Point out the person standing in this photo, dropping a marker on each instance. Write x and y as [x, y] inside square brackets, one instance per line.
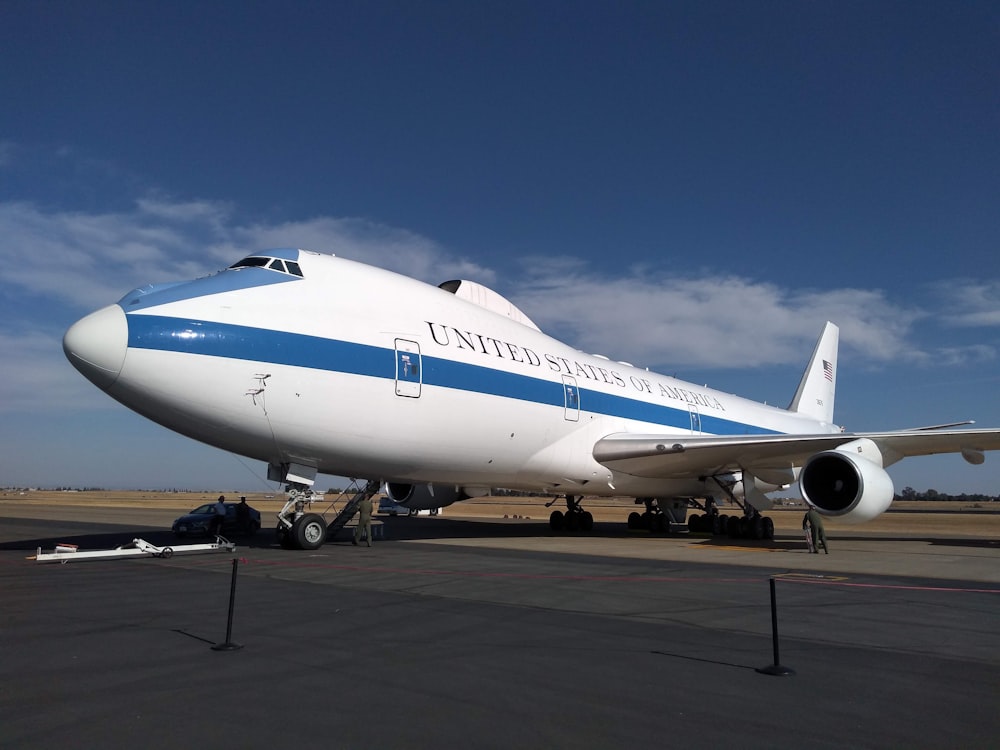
[215, 527]
[814, 522]
[243, 515]
[364, 521]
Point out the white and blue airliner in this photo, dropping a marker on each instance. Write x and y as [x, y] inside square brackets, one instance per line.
[318, 364]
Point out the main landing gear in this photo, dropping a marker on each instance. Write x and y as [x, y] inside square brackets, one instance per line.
[664, 515]
[653, 519]
[574, 519]
[751, 525]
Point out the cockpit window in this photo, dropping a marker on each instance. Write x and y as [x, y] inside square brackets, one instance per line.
[250, 262]
[274, 264]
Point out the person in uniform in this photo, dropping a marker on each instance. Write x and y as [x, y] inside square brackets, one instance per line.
[364, 526]
[814, 522]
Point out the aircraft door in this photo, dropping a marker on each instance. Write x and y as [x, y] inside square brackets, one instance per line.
[695, 419]
[409, 372]
[571, 397]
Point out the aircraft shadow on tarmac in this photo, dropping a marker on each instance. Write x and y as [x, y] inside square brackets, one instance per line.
[86, 537]
[406, 529]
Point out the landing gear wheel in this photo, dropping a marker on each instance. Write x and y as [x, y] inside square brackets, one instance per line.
[634, 520]
[556, 520]
[768, 528]
[586, 521]
[309, 532]
[733, 527]
[655, 522]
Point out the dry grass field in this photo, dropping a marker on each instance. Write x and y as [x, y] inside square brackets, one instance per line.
[913, 518]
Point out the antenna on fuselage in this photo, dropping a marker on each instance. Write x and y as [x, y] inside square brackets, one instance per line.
[254, 392]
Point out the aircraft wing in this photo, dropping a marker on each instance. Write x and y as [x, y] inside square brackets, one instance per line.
[673, 456]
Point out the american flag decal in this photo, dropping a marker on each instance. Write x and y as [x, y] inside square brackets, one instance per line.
[827, 370]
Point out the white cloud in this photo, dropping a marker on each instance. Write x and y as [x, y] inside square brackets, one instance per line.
[88, 260]
[360, 239]
[213, 212]
[970, 303]
[709, 320]
[955, 356]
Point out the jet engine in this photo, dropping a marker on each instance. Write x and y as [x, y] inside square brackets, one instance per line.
[847, 483]
[424, 496]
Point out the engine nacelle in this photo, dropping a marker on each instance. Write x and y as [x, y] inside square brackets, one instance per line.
[424, 496]
[848, 483]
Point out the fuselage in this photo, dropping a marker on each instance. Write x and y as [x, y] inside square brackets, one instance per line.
[361, 372]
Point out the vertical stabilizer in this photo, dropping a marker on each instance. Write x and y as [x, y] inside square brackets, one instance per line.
[815, 395]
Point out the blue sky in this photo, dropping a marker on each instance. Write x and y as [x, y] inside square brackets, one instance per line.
[690, 186]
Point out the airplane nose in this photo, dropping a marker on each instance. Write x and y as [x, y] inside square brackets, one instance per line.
[95, 345]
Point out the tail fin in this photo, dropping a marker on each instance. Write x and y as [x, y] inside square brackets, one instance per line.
[815, 395]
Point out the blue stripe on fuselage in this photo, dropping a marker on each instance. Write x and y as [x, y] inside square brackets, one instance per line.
[213, 339]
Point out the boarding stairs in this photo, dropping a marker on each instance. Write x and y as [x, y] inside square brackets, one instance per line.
[348, 512]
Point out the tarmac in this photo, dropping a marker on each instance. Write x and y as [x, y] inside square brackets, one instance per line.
[496, 634]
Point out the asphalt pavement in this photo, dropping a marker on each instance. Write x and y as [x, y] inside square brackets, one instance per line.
[496, 635]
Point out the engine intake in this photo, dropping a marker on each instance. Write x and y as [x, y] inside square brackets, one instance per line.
[846, 485]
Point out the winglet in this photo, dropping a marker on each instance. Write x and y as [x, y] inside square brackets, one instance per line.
[815, 395]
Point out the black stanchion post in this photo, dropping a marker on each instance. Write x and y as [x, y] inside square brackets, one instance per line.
[775, 668]
[229, 645]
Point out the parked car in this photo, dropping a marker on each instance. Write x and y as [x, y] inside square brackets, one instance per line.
[196, 522]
